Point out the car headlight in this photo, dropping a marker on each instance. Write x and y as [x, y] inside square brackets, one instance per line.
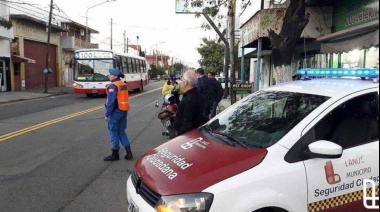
[198, 202]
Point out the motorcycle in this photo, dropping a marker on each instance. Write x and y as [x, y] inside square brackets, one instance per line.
[166, 115]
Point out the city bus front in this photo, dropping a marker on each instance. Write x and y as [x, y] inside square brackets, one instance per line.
[91, 70]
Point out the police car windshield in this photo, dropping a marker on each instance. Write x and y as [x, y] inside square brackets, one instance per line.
[262, 119]
[92, 70]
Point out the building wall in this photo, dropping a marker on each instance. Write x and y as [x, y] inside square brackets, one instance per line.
[34, 76]
[6, 35]
[5, 46]
[32, 43]
[67, 70]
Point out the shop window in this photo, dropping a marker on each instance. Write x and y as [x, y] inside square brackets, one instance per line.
[314, 61]
[372, 58]
[353, 59]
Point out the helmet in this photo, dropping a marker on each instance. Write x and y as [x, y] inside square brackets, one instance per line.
[169, 99]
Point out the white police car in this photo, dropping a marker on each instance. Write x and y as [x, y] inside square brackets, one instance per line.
[307, 145]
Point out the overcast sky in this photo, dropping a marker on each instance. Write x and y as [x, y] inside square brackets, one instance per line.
[154, 21]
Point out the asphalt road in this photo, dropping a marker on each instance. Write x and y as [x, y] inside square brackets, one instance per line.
[52, 149]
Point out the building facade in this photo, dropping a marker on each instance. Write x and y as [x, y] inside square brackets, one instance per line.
[341, 33]
[29, 54]
[354, 42]
[6, 36]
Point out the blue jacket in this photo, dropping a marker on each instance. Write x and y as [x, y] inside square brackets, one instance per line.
[111, 105]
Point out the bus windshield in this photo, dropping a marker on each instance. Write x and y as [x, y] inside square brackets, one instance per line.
[92, 70]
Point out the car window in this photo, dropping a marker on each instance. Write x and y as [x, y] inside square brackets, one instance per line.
[352, 123]
[262, 119]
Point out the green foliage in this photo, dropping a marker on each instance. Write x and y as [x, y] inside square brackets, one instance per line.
[212, 54]
[6, 24]
[155, 72]
[177, 68]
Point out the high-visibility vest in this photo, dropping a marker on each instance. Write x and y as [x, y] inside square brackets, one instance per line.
[122, 95]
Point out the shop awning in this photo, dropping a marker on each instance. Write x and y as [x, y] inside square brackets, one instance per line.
[361, 37]
[21, 59]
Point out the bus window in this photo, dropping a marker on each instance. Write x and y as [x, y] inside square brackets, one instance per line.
[125, 65]
[137, 69]
[141, 66]
[144, 65]
[118, 63]
[130, 65]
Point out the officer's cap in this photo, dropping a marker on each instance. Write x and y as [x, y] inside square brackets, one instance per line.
[115, 72]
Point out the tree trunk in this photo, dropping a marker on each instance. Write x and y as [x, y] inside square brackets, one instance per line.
[231, 14]
[284, 44]
[284, 73]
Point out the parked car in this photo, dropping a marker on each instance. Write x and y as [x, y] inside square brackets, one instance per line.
[307, 145]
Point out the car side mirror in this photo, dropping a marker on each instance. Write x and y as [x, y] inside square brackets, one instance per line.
[325, 150]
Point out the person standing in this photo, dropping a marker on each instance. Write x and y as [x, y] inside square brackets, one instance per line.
[190, 110]
[217, 93]
[117, 108]
[172, 87]
[205, 88]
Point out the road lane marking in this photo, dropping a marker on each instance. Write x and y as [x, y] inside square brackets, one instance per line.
[55, 121]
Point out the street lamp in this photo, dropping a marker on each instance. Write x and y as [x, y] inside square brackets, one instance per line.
[138, 49]
[87, 18]
[157, 51]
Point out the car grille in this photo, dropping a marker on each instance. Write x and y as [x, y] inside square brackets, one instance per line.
[146, 193]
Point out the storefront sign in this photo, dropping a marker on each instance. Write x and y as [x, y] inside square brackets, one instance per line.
[242, 88]
[351, 13]
[188, 6]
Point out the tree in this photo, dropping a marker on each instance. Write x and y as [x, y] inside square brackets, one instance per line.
[6, 24]
[284, 43]
[212, 54]
[155, 72]
[177, 68]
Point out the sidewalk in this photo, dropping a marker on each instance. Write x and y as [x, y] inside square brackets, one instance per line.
[225, 103]
[15, 96]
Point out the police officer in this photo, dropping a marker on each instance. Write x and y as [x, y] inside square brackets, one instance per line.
[117, 108]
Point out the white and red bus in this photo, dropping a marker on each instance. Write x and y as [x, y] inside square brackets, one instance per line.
[91, 70]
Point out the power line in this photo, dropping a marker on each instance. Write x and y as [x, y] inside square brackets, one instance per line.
[40, 11]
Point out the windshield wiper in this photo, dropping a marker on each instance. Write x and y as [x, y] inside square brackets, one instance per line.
[211, 132]
[232, 138]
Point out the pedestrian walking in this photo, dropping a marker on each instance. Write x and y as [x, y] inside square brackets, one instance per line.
[117, 108]
[205, 88]
[190, 110]
[217, 93]
[172, 87]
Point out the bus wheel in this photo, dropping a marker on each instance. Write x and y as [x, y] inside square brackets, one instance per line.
[141, 88]
[89, 94]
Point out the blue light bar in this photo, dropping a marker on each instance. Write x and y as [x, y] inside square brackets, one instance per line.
[340, 72]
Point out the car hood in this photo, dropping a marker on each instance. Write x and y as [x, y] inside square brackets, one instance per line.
[191, 163]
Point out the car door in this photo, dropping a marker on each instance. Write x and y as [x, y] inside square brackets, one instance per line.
[337, 184]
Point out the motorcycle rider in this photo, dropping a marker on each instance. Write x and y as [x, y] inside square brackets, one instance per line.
[173, 87]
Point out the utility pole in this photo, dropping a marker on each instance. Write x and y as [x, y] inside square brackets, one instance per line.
[226, 52]
[125, 41]
[111, 34]
[138, 49]
[231, 17]
[127, 45]
[46, 71]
